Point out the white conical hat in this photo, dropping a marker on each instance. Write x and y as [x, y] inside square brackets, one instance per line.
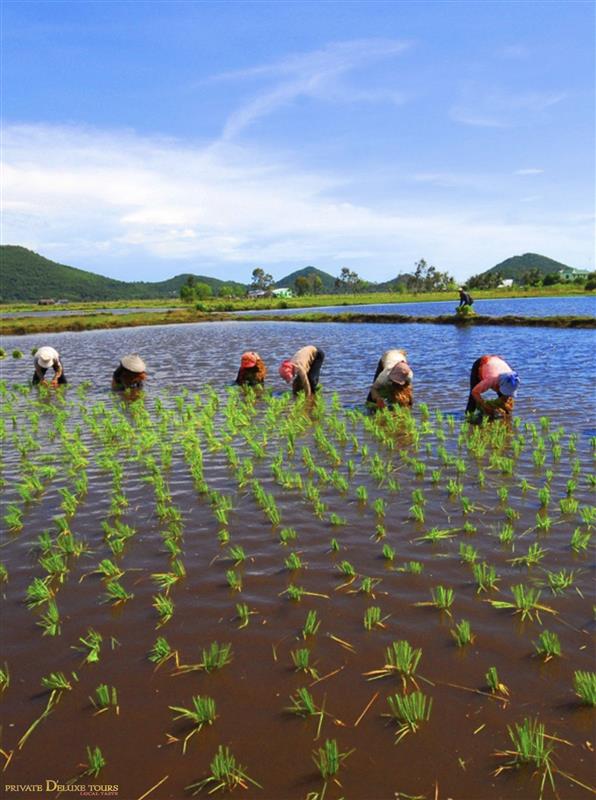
[46, 356]
[133, 363]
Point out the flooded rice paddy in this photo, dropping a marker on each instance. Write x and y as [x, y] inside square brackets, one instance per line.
[322, 548]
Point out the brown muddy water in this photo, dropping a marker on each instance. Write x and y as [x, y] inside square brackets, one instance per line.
[169, 464]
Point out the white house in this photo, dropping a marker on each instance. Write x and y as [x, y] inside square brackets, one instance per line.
[506, 283]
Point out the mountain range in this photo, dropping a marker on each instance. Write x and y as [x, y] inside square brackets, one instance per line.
[26, 276]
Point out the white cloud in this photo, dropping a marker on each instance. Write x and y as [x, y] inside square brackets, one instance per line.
[317, 75]
[144, 208]
[529, 171]
[499, 108]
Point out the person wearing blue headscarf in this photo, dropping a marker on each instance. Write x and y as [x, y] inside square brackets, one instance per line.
[492, 373]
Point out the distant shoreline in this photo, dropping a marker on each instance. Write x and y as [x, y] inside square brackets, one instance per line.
[22, 326]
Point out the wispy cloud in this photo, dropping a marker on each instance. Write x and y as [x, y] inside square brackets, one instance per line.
[529, 171]
[142, 207]
[318, 74]
[499, 108]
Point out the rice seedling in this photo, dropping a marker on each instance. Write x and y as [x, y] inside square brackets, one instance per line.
[116, 593]
[13, 518]
[216, 656]
[55, 565]
[237, 554]
[38, 592]
[442, 598]
[414, 567]
[485, 576]
[525, 602]
[328, 761]
[287, 535]
[494, 682]
[588, 515]
[561, 580]
[56, 682]
[534, 556]
[346, 569]
[568, 505]
[234, 580]
[372, 618]
[92, 643]
[580, 540]
[367, 585]
[417, 513]
[161, 651]
[544, 496]
[4, 678]
[50, 620]
[584, 685]
[334, 545]
[543, 522]
[467, 553]
[303, 705]
[506, 533]
[301, 661]
[311, 624]
[106, 697]
[531, 746]
[203, 712]
[226, 773]
[96, 762]
[362, 494]
[548, 645]
[400, 659]
[380, 507]
[462, 633]
[454, 488]
[243, 614]
[435, 535]
[388, 552]
[164, 606]
[17, 354]
[336, 519]
[409, 711]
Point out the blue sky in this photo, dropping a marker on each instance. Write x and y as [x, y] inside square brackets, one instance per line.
[141, 140]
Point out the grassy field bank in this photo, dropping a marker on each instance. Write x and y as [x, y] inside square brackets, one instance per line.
[309, 301]
[18, 326]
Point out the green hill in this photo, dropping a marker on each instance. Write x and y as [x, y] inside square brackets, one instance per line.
[27, 277]
[516, 266]
[306, 272]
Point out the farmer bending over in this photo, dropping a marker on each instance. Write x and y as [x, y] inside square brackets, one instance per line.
[465, 298]
[393, 381]
[492, 372]
[45, 358]
[252, 370]
[130, 373]
[302, 370]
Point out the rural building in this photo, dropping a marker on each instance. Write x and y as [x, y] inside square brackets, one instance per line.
[570, 273]
[506, 283]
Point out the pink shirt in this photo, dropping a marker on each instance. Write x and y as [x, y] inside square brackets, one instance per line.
[489, 372]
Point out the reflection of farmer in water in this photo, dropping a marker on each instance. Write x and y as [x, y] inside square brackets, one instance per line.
[303, 369]
[393, 381]
[131, 373]
[492, 372]
[465, 298]
[47, 358]
[252, 370]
